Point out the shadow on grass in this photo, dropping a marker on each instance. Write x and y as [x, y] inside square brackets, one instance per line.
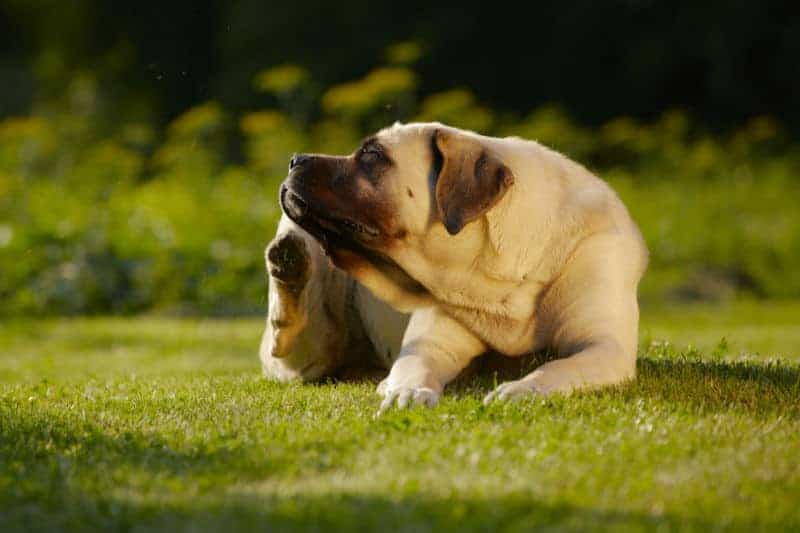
[331, 512]
[57, 474]
[42, 446]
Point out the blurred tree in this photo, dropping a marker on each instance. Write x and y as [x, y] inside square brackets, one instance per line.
[724, 62]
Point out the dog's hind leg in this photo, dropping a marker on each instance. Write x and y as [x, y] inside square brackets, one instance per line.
[306, 331]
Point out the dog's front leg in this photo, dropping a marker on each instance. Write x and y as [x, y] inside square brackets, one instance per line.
[600, 363]
[595, 317]
[435, 349]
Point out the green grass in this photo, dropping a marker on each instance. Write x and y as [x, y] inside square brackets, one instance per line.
[163, 424]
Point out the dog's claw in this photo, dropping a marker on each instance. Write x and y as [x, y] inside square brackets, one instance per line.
[489, 398]
[387, 402]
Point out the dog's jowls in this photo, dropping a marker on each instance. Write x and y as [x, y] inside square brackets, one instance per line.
[430, 245]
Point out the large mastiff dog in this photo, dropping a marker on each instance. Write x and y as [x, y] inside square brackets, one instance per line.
[430, 245]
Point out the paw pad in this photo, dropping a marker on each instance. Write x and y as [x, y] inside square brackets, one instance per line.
[288, 259]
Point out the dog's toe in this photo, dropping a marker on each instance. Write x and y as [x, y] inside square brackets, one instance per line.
[381, 388]
[426, 397]
[405, 397]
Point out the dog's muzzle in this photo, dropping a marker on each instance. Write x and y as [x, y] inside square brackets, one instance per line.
[292, 204]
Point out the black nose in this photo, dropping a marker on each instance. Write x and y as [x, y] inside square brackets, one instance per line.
[297, 159]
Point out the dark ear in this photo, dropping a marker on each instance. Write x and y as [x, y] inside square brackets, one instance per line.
[471, 180]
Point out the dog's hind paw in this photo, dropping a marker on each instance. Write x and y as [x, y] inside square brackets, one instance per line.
[288, 260]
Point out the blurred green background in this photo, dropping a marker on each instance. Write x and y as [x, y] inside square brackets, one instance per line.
[142, 143]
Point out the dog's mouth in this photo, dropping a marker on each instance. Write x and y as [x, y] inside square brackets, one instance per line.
[329, 229]
[340, 233]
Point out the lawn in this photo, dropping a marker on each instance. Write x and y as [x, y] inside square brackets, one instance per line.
[110, 424]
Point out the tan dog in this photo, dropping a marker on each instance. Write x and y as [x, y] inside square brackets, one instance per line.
[487, 243]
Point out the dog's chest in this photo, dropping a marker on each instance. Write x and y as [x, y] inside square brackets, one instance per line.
[505, 335]
[383, 325]
[505, 320]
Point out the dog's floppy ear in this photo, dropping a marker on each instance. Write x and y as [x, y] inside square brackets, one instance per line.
[471, 179]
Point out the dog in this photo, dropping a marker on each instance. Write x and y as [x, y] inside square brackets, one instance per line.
[430, 245]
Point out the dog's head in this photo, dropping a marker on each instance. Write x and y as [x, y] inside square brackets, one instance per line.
[403, 201]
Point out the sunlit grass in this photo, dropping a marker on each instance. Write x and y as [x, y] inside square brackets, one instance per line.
[154, 423]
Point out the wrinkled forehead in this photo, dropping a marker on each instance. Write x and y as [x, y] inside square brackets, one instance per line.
[409, 145]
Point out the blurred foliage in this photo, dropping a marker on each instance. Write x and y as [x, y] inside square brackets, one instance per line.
[404, 53]
[98, 217]
[456, 107]
[358, 101]
[726, 61]
[281, 80]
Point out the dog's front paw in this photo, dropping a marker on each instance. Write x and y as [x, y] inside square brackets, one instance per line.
[538, 383]
[288, 260]
[511, 390]
[410, 382]
[404, 397]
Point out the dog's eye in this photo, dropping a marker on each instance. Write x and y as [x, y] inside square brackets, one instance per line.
[369, 155]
